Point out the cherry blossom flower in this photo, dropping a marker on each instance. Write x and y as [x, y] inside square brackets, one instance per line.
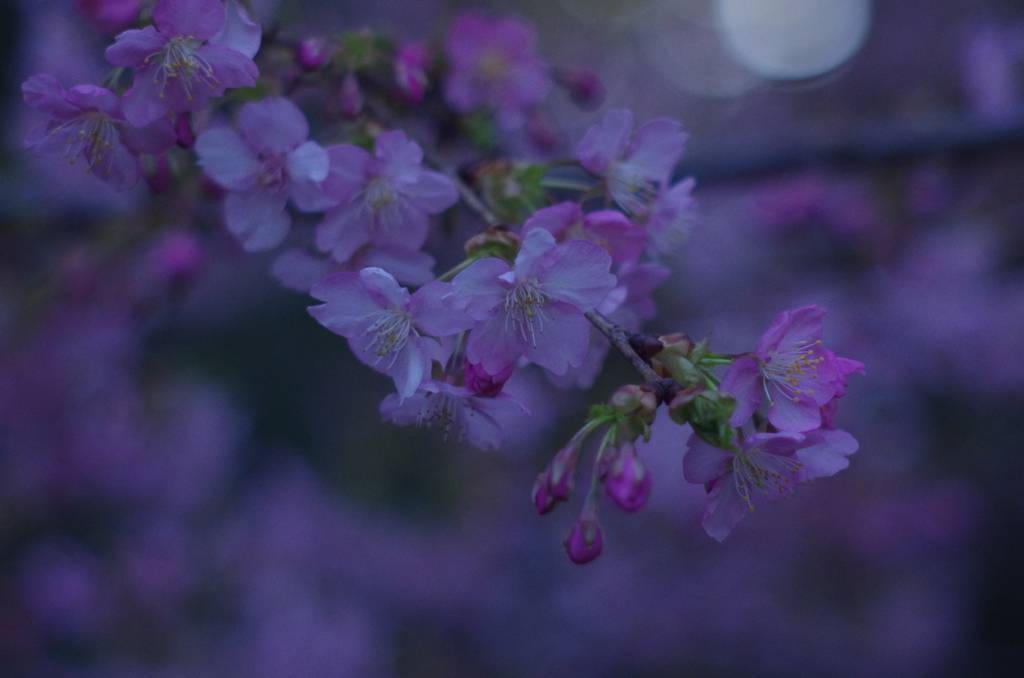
[385, 325]
[108, 16]
[455, 410]
[766, 467]
[87, 123]
[610, 229]
[534, 309]
[790, 369]
[628, 304]
[385, 199]
[493, 65]
[634, 168]
[410, 72]
[262, 167]
[670, 217]
[844, 367]
[186, 59]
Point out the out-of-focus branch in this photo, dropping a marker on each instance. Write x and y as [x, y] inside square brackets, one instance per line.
[725, 159]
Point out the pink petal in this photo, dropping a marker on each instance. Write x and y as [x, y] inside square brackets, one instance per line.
[199, 19]
[153, 138]
[827, 454]
[724, 510]
[347, 176]
[348, 303]
[227, 159]
[257, 219]
[344, 230]
[479, 289]
[132, 48]
[232, 69]
[274, 127]
[433, 193]
[657, 147]
[803, 415]
[743, 380]
[556, 219]
[239, 31]
[802, 324]
[400, 158]
[562, 338]
[44, 93]
[384, 287]
[493, 345]
[580, 275]
[605, 141]
[147, 101]
[432, 312]
[702, 462]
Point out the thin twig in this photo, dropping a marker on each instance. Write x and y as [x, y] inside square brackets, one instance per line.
[619, 338]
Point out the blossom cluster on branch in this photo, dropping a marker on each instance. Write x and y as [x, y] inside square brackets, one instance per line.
[562, 267]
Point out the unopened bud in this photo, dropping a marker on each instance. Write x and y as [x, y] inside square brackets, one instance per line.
[585, 89]
[635, 401]
[410, 72]
[584, 542]
[628, 482]
[159, 175]
[557, 481]
[184, 135]
[313, 53]
[351, 96]
[707, 412]
[486, 385]
[494, 242]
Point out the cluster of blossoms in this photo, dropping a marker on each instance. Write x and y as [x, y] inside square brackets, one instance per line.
[563, 268]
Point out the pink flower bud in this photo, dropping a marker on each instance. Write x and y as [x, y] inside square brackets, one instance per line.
[313, 53]
[109, 16]
[410, 72]
[159, 176]
[543, 501]
[351, 96]
[177, 257]
[556, 483]
[184, 135]
[484, 384]
[584, 542]
[628, 483]
[585, 89]
[542, 133]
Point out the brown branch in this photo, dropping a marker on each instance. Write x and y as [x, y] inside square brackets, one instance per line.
[619, 338]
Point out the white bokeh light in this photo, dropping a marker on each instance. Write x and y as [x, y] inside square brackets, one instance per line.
[790, 39]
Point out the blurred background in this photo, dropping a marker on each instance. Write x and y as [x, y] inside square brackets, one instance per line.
[194, 480]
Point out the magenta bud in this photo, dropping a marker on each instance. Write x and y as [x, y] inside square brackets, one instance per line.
[178, 257]
[584, 542]
[543, 135]
[109, 16]
[313, 53]
[555, 484]
[351, 96]
[585, 89]
[158, 175]
[184, 135]
[484, 384]
[410, 72]
[628, 483]
[542, 499]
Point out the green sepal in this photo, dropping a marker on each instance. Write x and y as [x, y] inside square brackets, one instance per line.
[512, 190]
